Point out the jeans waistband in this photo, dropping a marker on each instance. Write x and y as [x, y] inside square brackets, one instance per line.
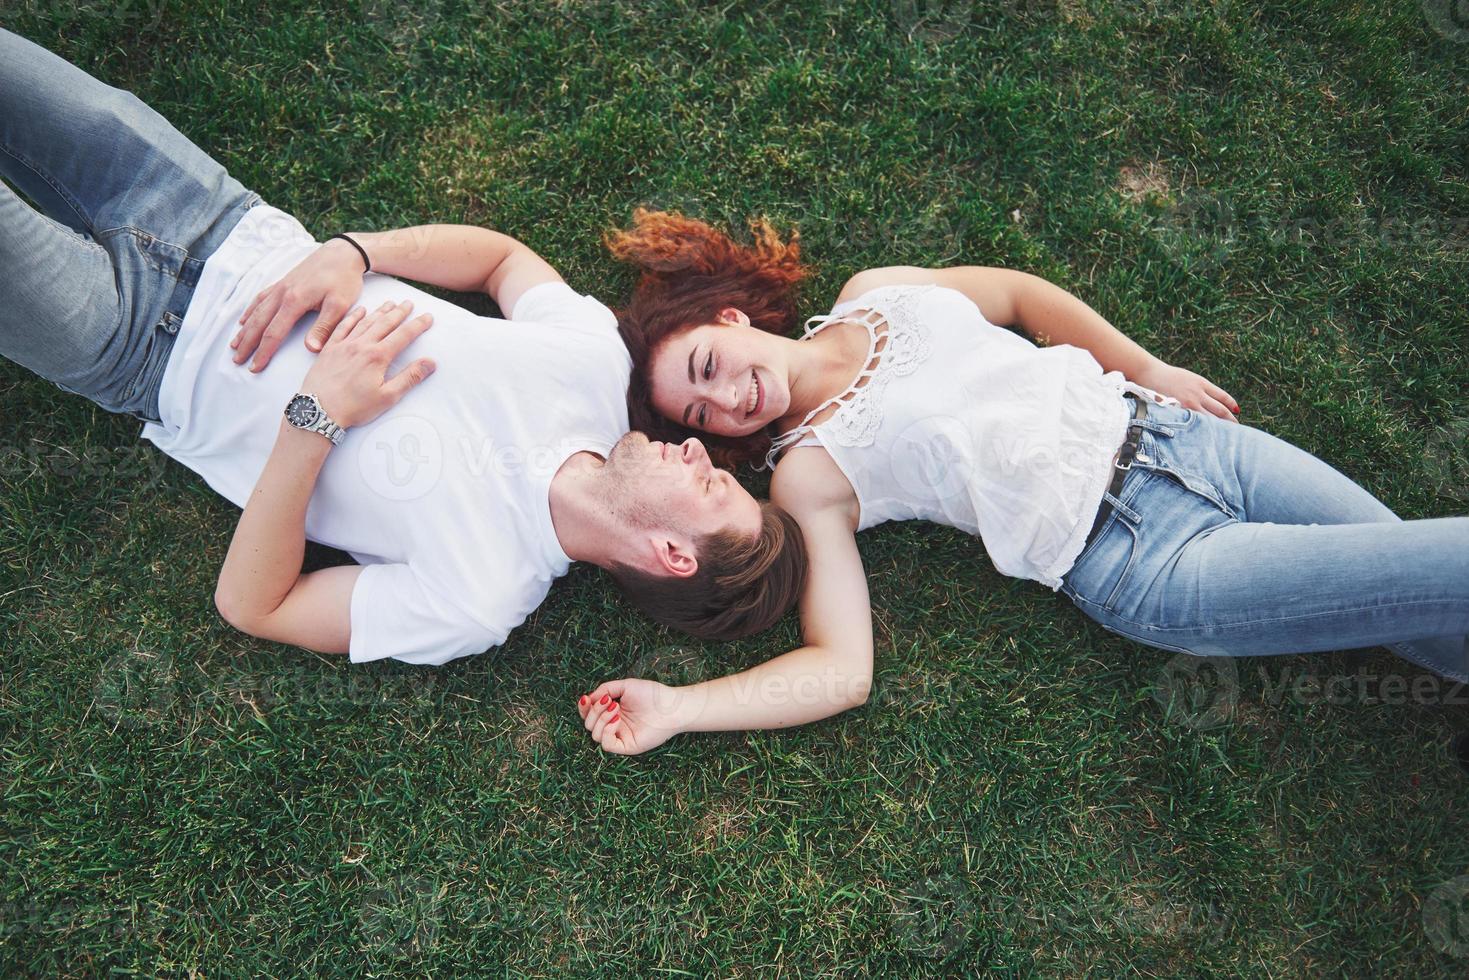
[192, 266]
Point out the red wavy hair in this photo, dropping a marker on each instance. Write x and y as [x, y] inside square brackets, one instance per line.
[689, 272]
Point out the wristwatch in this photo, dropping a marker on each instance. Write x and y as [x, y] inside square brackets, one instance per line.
[305, 412]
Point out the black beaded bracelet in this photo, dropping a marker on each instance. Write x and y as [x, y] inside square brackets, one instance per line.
[360, 251]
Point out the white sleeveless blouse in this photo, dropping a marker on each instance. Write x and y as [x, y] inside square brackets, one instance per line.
[970, 425]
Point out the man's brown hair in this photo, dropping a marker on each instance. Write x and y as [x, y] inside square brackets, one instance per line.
[742, 585]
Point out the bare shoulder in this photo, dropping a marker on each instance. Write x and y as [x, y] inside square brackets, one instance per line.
[889, 275]
[808, 482]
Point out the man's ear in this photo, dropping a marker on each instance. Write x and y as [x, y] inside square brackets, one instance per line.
[731, 315]
[673, 558]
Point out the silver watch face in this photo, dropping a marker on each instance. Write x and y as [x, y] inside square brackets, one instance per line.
[303, 412]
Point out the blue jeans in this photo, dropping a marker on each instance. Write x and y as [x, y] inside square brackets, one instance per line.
[1227, 541]
[95, 284]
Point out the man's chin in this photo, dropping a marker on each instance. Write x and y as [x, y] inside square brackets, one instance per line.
[627, 446]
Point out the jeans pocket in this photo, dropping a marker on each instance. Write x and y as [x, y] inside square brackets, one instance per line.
[1176, 462]
[151, 356]
[135, 383]
[1198, 486]
[1098, 575]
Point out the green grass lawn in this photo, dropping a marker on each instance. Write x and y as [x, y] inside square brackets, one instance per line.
[1274, 195]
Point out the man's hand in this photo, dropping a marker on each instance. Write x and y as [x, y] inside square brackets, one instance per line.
[1194, 391]
[630, 716]
[350, 377]
[329, 280]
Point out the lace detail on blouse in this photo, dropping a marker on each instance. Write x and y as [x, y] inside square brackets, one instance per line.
[859, 412]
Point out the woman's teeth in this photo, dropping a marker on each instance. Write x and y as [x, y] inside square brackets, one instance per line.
[754, 396]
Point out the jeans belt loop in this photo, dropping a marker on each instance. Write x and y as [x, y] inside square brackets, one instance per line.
[1119, 470]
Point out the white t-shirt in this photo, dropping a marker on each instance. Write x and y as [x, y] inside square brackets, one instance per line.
[444, 498]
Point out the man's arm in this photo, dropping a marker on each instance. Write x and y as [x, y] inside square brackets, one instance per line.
[458, 257]
[261, 589]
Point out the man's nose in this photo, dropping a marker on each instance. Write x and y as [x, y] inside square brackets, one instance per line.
[692, 450]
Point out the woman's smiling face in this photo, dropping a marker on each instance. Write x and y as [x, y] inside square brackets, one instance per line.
[725, 378]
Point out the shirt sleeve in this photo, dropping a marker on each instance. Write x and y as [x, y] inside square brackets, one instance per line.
[394, 615]
[558, 304]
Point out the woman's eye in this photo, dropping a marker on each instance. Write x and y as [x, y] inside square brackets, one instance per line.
[709, 366]
[701, 416]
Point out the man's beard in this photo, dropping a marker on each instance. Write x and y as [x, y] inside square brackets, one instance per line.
[626, 492]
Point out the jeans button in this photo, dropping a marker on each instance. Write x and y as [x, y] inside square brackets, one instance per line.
[1143, 458]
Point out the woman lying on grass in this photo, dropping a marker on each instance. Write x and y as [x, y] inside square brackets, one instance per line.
[1088, 465]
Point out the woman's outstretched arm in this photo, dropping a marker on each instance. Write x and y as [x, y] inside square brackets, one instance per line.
[1050, 314]
[831, 673]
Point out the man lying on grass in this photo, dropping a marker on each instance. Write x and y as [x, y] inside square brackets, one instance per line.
[463, 461]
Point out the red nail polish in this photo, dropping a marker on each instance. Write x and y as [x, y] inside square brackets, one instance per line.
[613, 719]
[605, 699]
[1236, 409]
[583, 700]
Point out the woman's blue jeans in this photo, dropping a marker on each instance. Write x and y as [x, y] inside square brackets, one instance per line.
[94, 285]
[1225, 540]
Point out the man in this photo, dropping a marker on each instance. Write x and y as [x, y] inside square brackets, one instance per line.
[463, 461]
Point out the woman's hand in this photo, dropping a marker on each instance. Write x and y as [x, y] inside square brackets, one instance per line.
[329, 280]
[630, 716]
[350, 379]
[1192, 390]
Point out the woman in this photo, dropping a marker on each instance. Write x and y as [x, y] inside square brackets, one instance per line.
[1088, 465]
